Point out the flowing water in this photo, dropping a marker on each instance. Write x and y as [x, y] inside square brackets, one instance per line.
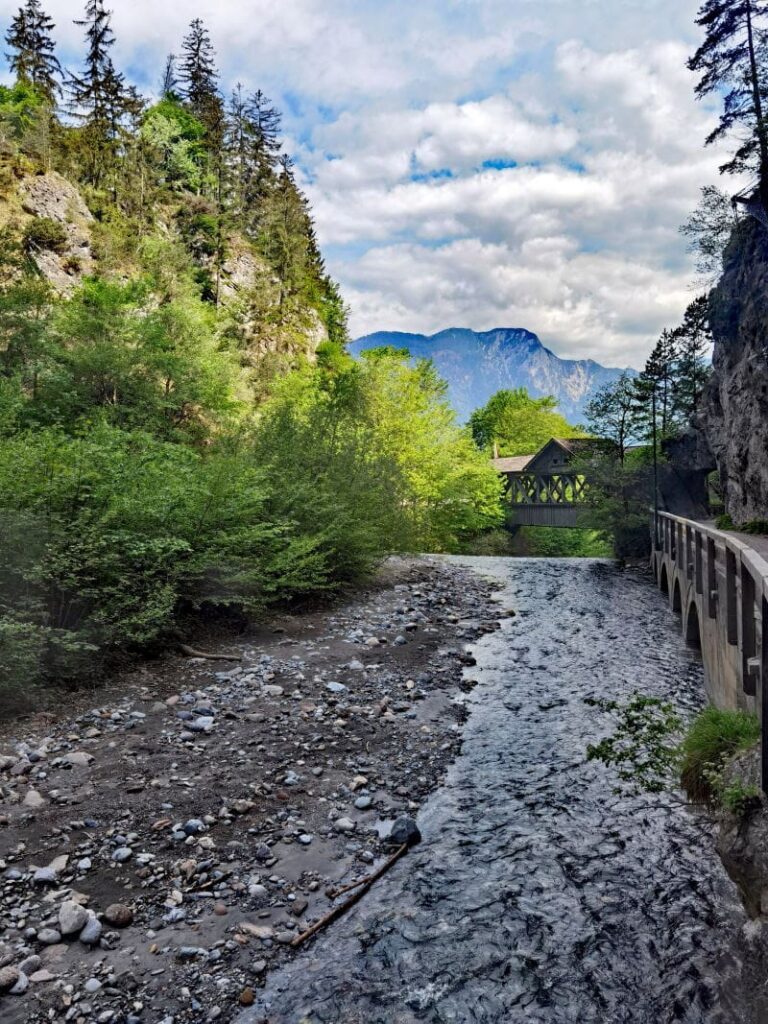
[538, 894]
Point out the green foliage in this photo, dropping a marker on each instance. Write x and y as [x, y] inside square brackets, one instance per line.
[549, 542]
[47, 234]
[713, 738]
[641, 748]
[757, 527]
[739, 798]
[617, 501]
[517, 424]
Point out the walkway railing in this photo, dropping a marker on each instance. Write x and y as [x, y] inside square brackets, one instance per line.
[727, 582]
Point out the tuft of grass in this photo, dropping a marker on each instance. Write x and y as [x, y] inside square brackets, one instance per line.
[714, 737]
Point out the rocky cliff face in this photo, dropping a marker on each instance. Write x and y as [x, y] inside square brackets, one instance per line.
[735, 410]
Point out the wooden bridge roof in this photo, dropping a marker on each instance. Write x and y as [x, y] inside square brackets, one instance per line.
[511, 464]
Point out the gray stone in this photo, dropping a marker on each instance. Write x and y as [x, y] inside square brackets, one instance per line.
[122, 854]
[334, 687]
[344, 825]
[305, 839]
[404, 831]
[91, 932]
[363, 803]
[49, 936]
[72, 918]
[92, 986]
[21, 986]
[202, 724]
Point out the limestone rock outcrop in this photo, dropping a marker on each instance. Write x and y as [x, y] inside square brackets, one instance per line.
[54, 198]
[734, 416]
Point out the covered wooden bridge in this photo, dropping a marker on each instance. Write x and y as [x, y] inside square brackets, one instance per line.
[543, 489]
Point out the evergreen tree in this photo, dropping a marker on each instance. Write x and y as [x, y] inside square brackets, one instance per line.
[98, 97]
[169, 83]
[199, 77]
[613, 415]
[729, 61]
[659, 376]
[285, 234]
[33, 58]
[692, 338]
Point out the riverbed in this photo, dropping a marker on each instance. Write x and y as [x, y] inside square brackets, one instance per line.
[540, 894]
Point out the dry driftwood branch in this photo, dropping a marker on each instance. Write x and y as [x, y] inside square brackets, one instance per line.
[192, 652]
[362, 887]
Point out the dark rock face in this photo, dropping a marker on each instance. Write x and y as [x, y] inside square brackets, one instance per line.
[735, 410]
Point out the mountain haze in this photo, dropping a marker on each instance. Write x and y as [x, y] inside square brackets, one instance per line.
[477, 364]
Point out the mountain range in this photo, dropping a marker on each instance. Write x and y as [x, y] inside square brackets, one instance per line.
[477, 364]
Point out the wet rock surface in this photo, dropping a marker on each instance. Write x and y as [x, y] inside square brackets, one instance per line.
[184, 830]
[538, 895]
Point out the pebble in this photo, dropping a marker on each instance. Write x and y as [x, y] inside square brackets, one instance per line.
[44, 876]
[344, 825]
[259, 967]
[118, 915]
[305, 839]
[247, 997]
[363, 803]
[49, 936]
[334, 687]
[33, 799]
[122, 854]
[202, 724]
[404, 830]
[92, 986]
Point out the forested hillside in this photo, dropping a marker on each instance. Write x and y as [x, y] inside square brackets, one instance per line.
[181, 428]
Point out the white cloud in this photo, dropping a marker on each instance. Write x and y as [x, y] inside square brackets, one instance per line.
[590, 101]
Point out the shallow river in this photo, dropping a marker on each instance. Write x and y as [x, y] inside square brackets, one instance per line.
[538, 895]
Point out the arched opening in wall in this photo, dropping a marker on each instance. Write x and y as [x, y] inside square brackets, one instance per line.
[664, 580]
[692, 629]
[677, 603]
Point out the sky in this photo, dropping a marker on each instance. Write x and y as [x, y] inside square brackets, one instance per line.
[473, 163]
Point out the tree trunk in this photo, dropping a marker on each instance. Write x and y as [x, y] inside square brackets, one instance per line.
[761, 132]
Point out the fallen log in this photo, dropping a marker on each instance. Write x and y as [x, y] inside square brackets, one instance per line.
[362, 886]
[192, 652]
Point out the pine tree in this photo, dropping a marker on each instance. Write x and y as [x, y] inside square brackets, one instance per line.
[98, 97]
[659, 373]
[729, 61]
[33, 58]
[692, 339]
[285, 234]
[169, 84]
[199, 77]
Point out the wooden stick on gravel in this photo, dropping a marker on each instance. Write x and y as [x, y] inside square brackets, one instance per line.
[364, 886]
[192, 652]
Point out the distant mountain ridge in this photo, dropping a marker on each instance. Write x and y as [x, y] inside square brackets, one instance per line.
[477, 364]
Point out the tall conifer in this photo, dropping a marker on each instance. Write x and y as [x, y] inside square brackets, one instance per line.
[33, 53]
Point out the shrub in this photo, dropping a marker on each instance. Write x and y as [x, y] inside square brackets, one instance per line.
[755, 526]
[47, 234]
[713, 738]
[739, 798]
[725, 522]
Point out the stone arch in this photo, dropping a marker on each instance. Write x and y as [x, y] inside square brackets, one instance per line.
[677, 601]
[692, 627]
[664, 580]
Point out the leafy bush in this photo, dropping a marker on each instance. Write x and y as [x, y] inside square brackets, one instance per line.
[739, 798]
[725, 522]
[44, 233]
[713, 738]
[755, 526]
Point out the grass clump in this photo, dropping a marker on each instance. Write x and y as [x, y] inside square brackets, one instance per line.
[715, 736]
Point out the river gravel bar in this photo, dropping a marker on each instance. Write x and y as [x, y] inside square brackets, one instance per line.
[159, 851]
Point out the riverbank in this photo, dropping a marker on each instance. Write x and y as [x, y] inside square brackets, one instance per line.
[159, 850]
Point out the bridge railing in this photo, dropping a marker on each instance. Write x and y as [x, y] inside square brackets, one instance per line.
[730, 582]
